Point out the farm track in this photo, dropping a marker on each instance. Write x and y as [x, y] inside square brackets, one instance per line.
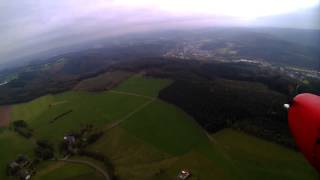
[131, 94]
[119, 121]
[223, 152]
[90, 164]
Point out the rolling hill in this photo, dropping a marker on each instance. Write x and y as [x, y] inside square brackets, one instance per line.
[143, 138]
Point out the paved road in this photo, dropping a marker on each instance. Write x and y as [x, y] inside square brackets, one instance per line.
[90, 164]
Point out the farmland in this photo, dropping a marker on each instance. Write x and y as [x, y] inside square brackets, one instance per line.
[144, 138]
[60, 170]
[258, 159]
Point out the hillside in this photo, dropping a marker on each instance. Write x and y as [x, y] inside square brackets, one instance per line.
[143, 138]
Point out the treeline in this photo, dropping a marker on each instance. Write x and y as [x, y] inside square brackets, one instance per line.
[63, 72]
[219, 105]
[60, 116]
[218, 95]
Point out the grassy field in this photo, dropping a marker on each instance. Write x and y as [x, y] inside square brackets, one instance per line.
[94, 108]
[259, 159]
[153, 139]
[12, 145]
[139, 84]
[166, 128]
[60, 170]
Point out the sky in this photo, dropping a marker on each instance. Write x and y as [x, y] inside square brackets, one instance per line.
[32, 26]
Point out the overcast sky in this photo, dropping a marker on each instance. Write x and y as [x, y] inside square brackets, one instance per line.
[32, 26]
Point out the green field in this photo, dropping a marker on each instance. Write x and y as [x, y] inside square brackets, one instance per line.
[94, 108]
[139, 84]
[12, 145]
[152, 139]
[59, 170]
[259, 159]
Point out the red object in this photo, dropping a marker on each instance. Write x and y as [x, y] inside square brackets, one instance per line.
[304, 121]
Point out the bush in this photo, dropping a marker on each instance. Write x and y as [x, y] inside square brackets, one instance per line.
[44, 150]
[25, 132]
[20, 123]
[94, 137]
[22, 128]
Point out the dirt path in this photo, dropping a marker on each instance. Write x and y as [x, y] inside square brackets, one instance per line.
[130, 94]
[5, 115]
[224, 153]
[90, 164]
[119, 121]
[58, 103]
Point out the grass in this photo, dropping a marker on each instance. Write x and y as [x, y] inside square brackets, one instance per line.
[166, 127]
[11, 145]
[87, 108]
[31, 110]
[136, 159]
[142, 85]
[259, 159]
[153, 143]
[59, 170]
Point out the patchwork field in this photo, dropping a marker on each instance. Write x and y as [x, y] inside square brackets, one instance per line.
[144, 138]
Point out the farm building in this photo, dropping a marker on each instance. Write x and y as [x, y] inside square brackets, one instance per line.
[20, 168]
[184, 174]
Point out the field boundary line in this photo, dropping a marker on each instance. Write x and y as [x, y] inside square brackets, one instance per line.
[130, 94]
[118, 122]
[90, 164]
[223, 151]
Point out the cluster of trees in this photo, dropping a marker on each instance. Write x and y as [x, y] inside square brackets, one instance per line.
[22, 128]
[222, 104]
[22, 167]
[77, 141]
[61, 115]
[63, 72]
[219, 95]
[44, 150]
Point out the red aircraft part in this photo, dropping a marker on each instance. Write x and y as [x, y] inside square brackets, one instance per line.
[304, 121]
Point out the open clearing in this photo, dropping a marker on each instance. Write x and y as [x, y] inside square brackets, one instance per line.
[141, 85]
[149, 139]
[103, 82]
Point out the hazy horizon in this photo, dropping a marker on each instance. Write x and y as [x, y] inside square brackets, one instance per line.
[34, 26]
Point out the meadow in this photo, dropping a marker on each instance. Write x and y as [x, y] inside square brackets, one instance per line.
[150, 139]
